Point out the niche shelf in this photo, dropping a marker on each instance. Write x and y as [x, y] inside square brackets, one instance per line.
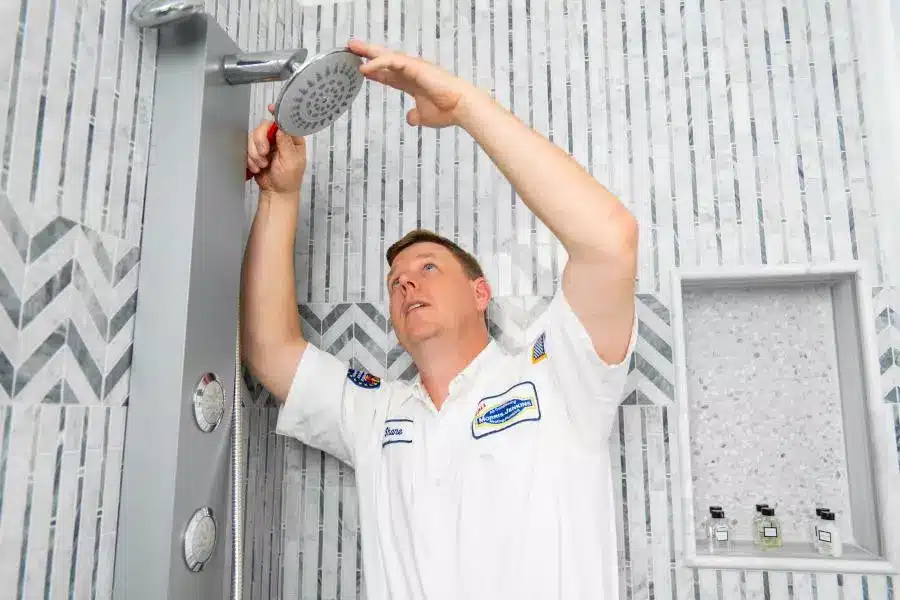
[778, 402]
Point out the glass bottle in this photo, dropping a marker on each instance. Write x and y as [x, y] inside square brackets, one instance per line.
[704, 525]
[719, 531]
[814, 527]
[769, 530]
[756, 517]
[829, 536]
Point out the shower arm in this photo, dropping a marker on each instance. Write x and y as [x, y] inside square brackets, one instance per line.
[237, 69]
[260, 67]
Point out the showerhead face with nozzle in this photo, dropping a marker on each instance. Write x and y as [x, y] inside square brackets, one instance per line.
[319, 92]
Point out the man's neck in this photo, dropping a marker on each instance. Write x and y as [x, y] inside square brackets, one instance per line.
[440, 360]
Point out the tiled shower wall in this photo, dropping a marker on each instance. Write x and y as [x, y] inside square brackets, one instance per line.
[735, 132]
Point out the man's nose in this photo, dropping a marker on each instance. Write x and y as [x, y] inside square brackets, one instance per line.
[407, 283]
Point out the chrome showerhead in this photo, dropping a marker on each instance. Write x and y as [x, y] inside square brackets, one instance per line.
[156, 13]
[316, 92]
[319, 92]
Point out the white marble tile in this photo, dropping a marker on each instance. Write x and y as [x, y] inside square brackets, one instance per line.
[124, 134]
[42, 498]
[21, 437]
[135, 207]
[70, 471]
[9, 21]
[292, 485]
[827, 586]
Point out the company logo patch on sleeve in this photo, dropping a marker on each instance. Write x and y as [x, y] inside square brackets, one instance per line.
[516, 405]
[363, 379]
[397, 431]
[537, 349]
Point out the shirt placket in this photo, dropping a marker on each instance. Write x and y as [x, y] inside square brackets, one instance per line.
[439, 514]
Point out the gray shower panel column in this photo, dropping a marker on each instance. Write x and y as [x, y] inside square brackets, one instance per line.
[193, 240]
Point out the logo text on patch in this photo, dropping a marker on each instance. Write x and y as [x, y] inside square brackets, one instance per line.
[516, 405]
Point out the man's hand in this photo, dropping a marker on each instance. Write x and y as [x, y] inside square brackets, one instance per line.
[278, 170]
[439, 95]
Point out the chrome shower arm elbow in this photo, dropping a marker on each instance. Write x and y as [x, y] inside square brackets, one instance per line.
[157, 13]
[259, 67]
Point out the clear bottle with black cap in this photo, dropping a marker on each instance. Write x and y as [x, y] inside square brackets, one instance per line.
[754, 527]
[769, 530]
[814, 526]
[704, 524]
[829, 536]
[718, 532]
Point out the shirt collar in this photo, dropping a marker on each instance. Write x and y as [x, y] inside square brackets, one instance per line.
[465, 378]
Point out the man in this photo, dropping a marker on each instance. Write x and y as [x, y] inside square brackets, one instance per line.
[489, 475]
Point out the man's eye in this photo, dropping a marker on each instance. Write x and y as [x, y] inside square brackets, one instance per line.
[429, 266]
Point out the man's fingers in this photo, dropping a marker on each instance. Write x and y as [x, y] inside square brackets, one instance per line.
[260, 141]
[385, 76]
[284, 142]
[391, 60]
[366, 50]
[289, 145]
[299, 142]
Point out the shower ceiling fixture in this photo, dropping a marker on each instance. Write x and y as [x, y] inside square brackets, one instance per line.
[156, 13]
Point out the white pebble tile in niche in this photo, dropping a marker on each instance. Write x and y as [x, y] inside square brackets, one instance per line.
[762, 384]
[778, 402]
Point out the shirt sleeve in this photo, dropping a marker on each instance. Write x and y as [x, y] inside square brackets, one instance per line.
[591, 389]
[329, 405]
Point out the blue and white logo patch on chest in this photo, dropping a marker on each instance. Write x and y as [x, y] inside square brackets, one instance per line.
[516, 405]
[397, 431]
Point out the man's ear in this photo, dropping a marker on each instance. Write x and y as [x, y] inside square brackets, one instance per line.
[482, 293]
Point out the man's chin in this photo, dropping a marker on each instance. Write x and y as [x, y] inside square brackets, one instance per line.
[419, 335]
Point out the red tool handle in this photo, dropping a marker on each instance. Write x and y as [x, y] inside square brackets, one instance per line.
[270, 135]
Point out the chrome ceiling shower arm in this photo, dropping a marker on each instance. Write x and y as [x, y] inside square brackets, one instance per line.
[156, 13]
[260, 67]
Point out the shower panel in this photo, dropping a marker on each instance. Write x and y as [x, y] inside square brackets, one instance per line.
[174, 534]
[180, 514]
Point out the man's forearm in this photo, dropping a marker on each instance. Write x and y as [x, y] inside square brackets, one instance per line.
[269, 322]
[588, 220]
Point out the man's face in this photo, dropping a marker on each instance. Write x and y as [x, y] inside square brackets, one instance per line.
[430, 294]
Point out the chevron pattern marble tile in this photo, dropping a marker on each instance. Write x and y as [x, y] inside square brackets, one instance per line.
[69, 296]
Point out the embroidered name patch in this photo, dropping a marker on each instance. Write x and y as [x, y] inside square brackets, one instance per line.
[363, 379]
[537, 350]
[496, 413]
[397, 431]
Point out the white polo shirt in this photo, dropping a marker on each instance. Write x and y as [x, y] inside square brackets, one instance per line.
[505, 493]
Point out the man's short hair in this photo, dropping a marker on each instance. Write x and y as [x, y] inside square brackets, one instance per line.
[469, 263]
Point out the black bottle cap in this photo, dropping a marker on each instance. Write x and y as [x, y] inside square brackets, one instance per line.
[717, 513]
[714, 507]
[827, 515]
[819, 511]
[767, 511]
[759, 507]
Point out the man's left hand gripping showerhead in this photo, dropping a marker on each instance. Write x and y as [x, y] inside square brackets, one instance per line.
[280, 169]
